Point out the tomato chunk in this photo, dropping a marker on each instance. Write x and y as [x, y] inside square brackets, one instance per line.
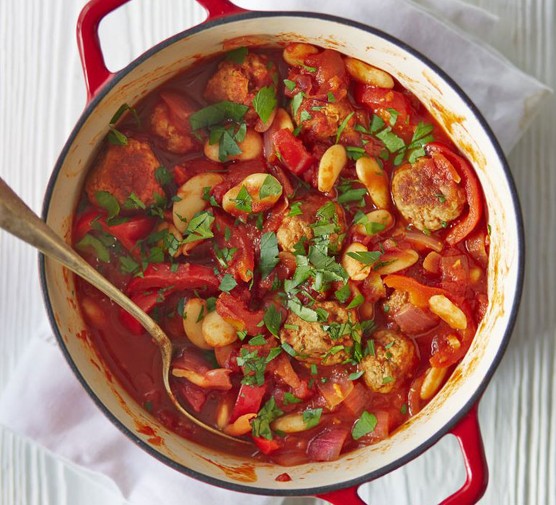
[184, 276]
[248, 400]
[292, 152]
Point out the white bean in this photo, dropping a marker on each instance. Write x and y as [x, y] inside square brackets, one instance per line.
[431, 384]
[193, 315]
[375, 222]
[395, 261]
[367, 74]
[282, 120]
[173, 240]
[216, 331]
[448, 311]
[356, 270]
[294, 54]
[331, 164]
[290, 423]
[190, 198]
[93, 311]
[375, 179]
[264, 191]
[251, 147]
[223, 412]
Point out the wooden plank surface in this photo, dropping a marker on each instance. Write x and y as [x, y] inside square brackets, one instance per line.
[41, 96]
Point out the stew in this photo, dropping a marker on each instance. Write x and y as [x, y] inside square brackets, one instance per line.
[304, 231]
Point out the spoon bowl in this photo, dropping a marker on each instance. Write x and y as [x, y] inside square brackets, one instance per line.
[19, 220]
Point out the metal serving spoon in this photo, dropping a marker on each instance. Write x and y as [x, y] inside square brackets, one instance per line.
[19, 220]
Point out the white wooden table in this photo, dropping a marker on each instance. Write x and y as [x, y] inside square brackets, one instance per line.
[41, 97]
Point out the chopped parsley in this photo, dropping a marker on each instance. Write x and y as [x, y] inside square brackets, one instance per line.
[290, 85]
[364, 425]
[237, 55]
[290, 399]
[365, 257]
[261, 424]
[343, 294]
[101, 251]
[109, 203]
[272, 319]
[357, 300]
[270, 187]
[243, 200]
[227, 283]
[199, 228]
[269, 253]
[343, 125]
[295, 209]
[163, 176]
[265, 102]
[311, 417]
[296, 102]
[115, 136]
[217, 113]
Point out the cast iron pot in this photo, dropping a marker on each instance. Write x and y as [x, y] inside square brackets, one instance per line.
[453, 410]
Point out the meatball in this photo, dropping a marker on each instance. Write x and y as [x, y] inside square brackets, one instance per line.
[427, 196]
[294, 228]
[170, 123]
[319, 342]
[393, 361]
[320, 120]
[240, 82]
[123, 170]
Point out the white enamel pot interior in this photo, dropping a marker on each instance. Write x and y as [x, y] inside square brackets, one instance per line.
[467, 129]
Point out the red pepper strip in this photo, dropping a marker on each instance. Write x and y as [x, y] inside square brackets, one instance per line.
[235, 311]
[130, 232]
[472, 190]
[127, 233]
[242, 265]
[164, 275]
[146, 301]
[419, 294]
[292, 152]
[267, 446]
[84, 223]
[248, 400]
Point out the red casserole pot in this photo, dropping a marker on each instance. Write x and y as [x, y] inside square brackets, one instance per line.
[452, 410]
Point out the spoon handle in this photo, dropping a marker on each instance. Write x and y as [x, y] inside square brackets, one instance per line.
[19, 220]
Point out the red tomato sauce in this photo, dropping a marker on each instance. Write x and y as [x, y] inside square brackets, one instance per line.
[308, 237]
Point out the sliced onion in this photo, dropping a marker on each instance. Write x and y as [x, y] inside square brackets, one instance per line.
[193, 368]
[327, 446]
[335, 390]
[413, 320]
[426, 241]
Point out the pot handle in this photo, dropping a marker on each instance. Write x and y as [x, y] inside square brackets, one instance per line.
[218, 8]
[468, 433]
[92, 60]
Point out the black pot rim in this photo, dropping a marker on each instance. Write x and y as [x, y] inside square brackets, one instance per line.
[455, 418]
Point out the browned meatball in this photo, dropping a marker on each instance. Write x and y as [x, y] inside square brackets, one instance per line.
[393, 361]
[426, 195]
[316, 342]
[240, 82]
[170, 123]
[320, 120]
[294, 228]
[123, 170]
